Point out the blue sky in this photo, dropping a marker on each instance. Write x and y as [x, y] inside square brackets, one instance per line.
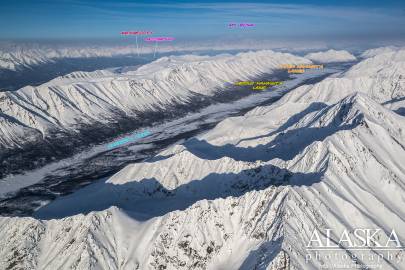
[316, 19]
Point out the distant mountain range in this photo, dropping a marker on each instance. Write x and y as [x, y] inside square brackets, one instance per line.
[86, 98]
[16, 57]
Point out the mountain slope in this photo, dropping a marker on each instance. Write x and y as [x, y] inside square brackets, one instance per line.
[81, 98]
[331, 56]
[246, 195]
[381, 77]
[233, 210]
[19, 56]
[380, 50]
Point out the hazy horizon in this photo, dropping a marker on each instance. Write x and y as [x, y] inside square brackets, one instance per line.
[76, 21]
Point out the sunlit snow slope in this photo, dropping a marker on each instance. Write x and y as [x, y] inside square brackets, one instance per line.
[246, 195]
[87, 98]
[331, 56]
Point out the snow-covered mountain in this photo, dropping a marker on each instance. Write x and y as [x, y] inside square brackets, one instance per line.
[381, 77]
[17, 56]
[380, 50]
[102, 96]
[246, 195]
[29, 57]
[331, 56]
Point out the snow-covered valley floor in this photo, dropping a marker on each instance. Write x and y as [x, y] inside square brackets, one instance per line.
[24, 193]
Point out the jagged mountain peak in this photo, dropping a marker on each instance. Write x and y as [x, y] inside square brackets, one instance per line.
[97, 97]
[245, 195]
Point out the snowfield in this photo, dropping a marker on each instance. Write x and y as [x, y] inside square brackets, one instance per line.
[331, 56]
[246, 195]
[88, 98]
[381, 50]
[21, 57]
[16, 57]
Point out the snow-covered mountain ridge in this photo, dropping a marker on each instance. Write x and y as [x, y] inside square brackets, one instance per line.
[85, 98]
[331, 56]
[29, 57]
[382, 77]
[380, 50]
[17, 56]
[262, 214]
[246, 195]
